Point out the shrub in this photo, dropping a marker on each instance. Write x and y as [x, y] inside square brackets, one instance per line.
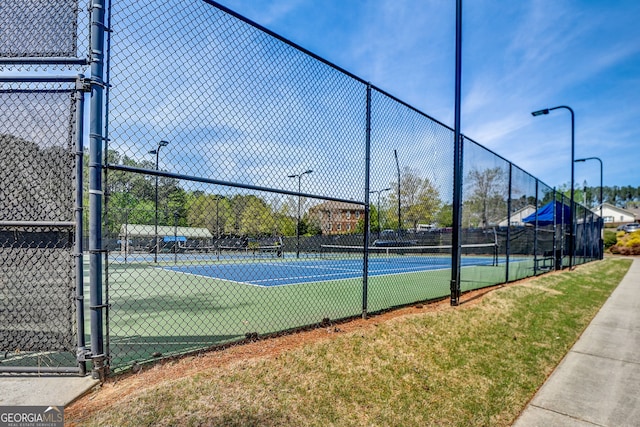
[627, 244]
[610, 238]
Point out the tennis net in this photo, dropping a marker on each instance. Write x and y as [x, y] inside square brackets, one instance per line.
[479, 253]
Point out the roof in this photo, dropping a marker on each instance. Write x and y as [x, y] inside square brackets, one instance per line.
[143, 230]
[630, 212]
[635, 212]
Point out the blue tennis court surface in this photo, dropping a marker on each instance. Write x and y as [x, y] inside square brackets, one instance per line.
[278, 273]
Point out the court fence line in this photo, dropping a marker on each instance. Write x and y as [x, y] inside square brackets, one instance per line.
[225, 164]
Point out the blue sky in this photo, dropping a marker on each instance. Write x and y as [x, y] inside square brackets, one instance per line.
[518, 56]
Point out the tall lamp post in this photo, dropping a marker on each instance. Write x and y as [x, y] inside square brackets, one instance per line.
[395, 153]
[299, 176]
[571, 210]
[161, 144]
[601, 198]
[379, 192]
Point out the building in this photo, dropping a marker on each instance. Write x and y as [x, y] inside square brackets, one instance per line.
[515, 219]
[142, 237]
[615, 215]
[337, 217]
[635, 211]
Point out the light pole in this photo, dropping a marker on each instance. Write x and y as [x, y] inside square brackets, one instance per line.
[299, 176]
[395, 153]
[162, 143]
[601, 201]
[218, 217]
[571, 210]
[379, 192]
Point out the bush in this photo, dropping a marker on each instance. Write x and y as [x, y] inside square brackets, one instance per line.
[627, 244]
[610, 238]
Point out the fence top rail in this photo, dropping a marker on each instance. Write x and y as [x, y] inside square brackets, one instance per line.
[40, 79]
[226, 183]
[45, 60]
[319, 58]
[37, 224]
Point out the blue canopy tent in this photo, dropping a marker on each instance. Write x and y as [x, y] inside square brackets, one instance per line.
[545, 214]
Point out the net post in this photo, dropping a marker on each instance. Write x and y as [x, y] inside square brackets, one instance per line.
[365, 254]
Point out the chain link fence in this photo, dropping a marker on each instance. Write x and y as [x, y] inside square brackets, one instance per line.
[37, 204]
[43, 36]
[250, 188]
[43, 47]
[253, 188]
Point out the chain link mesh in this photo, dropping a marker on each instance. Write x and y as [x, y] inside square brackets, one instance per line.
[411, 186]
[37, 279]
[235, 103]
[245, 179]
[546, 248]
[522, 236]
[43, 35]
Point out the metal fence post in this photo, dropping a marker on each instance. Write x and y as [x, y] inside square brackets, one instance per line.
[81, 351]
[563, 235]
[584, 236]
[457, 168]
[95, 186]
[508, 243]
[365, 263]
[555, 230]
[535, 235]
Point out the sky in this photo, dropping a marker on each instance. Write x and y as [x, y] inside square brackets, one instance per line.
[517, 57]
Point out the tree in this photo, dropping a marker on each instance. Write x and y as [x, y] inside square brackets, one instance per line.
[286, 224]
[374, 225]
[444, 217]
[257, 218]
[419, 200]
[138, 186]
[485, 202]
[210, 211]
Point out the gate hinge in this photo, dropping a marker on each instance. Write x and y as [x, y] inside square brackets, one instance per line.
[83, 354]
[83, 85]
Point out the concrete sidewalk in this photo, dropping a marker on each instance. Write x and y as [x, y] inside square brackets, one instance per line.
[598, 381]
[32, 390]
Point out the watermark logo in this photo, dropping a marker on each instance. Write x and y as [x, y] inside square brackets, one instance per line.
[31, 416]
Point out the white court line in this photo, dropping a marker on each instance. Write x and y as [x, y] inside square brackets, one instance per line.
[256, 283]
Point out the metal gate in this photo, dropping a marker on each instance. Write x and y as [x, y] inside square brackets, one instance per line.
[41, 277]
[43, 51]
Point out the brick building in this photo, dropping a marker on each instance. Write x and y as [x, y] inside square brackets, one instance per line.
[337, 217]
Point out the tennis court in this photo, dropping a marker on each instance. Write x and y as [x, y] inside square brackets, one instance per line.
[337, 264]
[173, 307]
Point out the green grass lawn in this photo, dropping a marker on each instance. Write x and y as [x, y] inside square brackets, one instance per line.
[477, 364]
